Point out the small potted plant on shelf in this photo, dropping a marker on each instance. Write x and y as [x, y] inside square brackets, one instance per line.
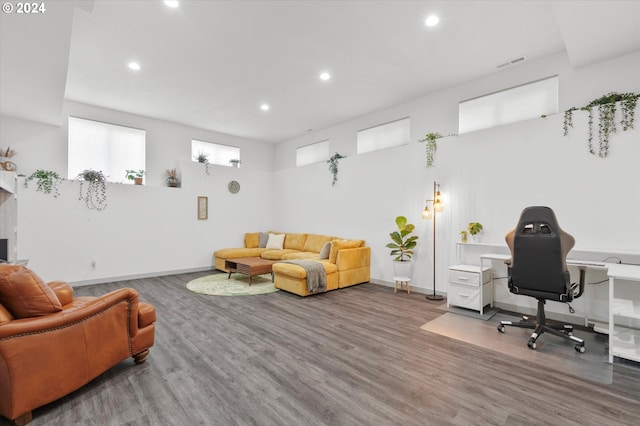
[474, 229]
[463, 236]
[135, 175]
[204, 159]
[47, 181]
[402, 245]
[235, 162]
[333, 166]
[172, 180]
[95, 196]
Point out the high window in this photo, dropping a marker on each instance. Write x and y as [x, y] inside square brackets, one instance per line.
[508, 106]
[384, 136]
[214, 153]
[314, 153]
[104, 147]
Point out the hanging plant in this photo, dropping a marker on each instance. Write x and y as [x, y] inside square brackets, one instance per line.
[95, 195]
[432, 146]
[47, 181]
[606, 106]
[333, 166]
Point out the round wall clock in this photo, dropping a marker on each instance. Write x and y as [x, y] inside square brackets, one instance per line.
[234, 187]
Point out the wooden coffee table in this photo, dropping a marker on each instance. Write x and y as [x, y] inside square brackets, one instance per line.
[250, 266]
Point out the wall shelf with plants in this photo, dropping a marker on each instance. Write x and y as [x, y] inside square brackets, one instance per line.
[606, 107]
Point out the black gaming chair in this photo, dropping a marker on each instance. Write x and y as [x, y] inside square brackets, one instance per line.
[538, 269]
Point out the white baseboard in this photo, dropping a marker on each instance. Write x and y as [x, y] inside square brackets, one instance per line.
[137, 276]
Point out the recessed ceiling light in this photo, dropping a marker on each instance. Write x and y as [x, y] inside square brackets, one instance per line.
[325, 76]
[432, 21]
[134, 66]
[171, 3]
[264, 107]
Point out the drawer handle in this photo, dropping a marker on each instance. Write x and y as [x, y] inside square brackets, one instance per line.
[464, 295]
[463, 278]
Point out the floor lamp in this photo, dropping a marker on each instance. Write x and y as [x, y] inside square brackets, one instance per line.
[428, 214]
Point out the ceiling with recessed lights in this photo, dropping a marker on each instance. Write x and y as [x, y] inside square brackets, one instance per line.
[270, 70]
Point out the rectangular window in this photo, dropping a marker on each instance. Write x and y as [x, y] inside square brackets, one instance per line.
[387, 135]
[214, 153]
[314, 153]
[104, 147]
[508, 106]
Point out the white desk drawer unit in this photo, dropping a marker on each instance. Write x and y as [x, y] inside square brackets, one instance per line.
[465, 289]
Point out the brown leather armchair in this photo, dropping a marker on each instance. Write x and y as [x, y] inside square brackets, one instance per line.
[52, 343]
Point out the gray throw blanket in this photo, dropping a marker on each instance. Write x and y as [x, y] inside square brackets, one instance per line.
[316, 275]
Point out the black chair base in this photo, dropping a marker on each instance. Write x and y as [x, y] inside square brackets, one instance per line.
[565, 331]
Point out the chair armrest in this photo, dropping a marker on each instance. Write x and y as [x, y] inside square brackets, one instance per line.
[580, 284]
[80, 309]
[352, 258]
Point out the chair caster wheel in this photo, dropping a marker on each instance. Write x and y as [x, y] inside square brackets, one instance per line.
[531, 344]
[580, 348]
[501, 328]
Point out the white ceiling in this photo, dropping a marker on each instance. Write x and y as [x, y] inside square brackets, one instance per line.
[210, 64]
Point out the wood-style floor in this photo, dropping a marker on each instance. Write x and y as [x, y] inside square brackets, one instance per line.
[356, 356]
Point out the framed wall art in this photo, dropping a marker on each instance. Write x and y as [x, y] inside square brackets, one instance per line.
[203, 208]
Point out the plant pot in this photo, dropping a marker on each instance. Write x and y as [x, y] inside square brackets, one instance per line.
[137, 181]
[172, 182]
[402, 270]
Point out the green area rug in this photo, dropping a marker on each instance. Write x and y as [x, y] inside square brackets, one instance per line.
[237, 285]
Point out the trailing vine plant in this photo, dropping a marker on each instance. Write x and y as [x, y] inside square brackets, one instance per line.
[606, 106]
[431, 145]
[333, 166]
[47, 181]
[95, 195]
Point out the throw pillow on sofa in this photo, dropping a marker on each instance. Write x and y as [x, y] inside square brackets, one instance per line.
[325, 251]
[276, 241]
[337, 245]
[24, 294]
[263, 239]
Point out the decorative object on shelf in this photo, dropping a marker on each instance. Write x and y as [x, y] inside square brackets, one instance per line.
[235, 162]
[474, 229]
[95, 195]
[437, 204]
[234, 187]
[204, 159]
[333, 166]
[402, 245]
[135, 175]
[606, 106]
[203, 208]
[463, 236]
[47, 181]
[5, 164]
[172, 180]
[431, 145]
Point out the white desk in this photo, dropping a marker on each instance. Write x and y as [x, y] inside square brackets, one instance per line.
[624, 342]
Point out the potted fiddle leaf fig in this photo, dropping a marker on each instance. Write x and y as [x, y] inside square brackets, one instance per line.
[402, 245]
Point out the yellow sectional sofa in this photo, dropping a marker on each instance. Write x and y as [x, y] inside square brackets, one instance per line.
[346, 262]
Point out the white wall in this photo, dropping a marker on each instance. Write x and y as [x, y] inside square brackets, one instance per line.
[145, 230]
[487, 176]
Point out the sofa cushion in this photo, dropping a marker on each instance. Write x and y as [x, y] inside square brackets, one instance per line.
[263, 238]
[295, 241]
[251, 240]
[24, 293]
[316, 242]
[297, 271]
[325, 251]
[276, 241]
[337, 245]
[276, 254]
[309, 255]
[232, 253]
